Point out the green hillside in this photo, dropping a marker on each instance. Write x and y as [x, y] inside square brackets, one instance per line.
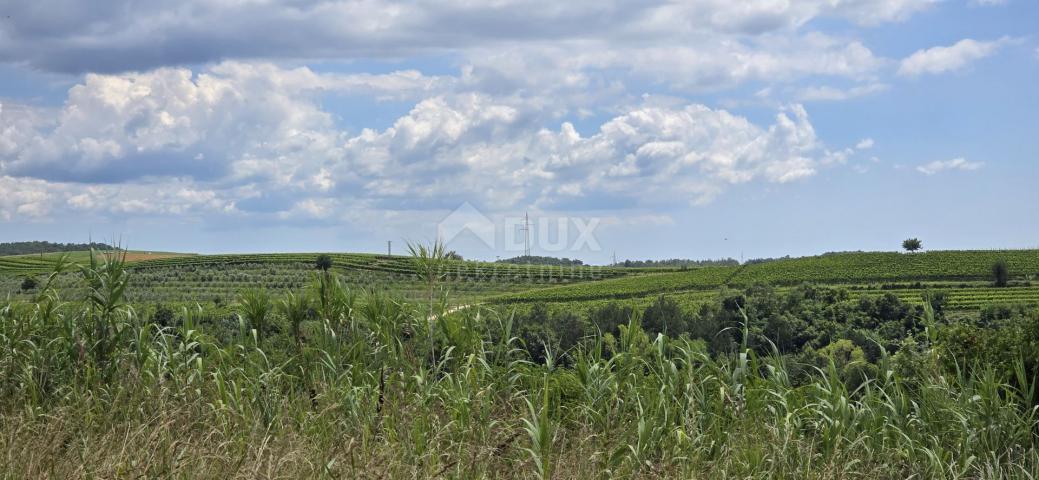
[220, 278]
[853, 268]
[167, 277]
[969, 272]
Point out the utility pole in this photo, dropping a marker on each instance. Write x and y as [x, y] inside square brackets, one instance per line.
[526, 234]
[615, 258]
[389, 247]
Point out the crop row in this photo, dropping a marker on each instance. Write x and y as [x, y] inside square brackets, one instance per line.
[224, 282]
[889, 266]
[392, 264]
[962, 298]
[842, 268]
[627, 287]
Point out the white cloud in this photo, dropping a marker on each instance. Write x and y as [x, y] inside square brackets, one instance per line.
[988, 3]
[247, 139]
[121, 35]
[26, 198]
[252, 120]
[827, 93]
[864, 144]
[937, 60]
[943, 165]
[687, 153]
[41, 200]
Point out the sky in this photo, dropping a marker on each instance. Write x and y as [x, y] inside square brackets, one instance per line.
[636, 129]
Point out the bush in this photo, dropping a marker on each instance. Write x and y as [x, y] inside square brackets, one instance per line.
[1000, 273]
[29, 283]
[665, 316]
[323, 263]
[163, 316]
[609, 317]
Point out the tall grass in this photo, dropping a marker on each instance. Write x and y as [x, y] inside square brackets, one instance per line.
[350, 390]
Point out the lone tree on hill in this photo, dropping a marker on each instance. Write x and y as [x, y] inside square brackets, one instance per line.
[1000, 273]
[324, 262]
[912, 244]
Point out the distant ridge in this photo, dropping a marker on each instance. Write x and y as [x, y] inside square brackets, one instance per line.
[26, 248]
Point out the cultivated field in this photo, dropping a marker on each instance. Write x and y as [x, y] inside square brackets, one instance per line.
[241, 366]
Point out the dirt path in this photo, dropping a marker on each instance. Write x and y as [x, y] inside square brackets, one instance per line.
[453, 309]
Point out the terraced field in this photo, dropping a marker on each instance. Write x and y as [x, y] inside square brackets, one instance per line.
[858, 270]
[220, 278]
[629, 287]
[164, 277]
[969, 298]
[400, 265]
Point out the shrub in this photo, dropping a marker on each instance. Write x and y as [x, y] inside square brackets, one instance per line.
[1000, 273]
[665, 316]
[163, 316]
[324, 262]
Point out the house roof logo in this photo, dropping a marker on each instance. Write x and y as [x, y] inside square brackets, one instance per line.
[466, 218]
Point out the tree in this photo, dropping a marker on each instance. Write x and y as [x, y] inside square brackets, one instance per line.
[324, 262]
[912, 244]
[1000, 273]
[453, 255]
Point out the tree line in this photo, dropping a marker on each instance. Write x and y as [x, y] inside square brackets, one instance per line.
[36, 246]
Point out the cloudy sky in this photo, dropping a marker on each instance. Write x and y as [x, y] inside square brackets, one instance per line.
[698, 129]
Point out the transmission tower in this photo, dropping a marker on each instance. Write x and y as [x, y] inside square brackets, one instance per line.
[526, 234]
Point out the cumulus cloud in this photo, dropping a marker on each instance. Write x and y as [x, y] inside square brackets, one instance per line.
[938, 166]
[241, 119]
[248, 139]
[688, 153]
[938, 60]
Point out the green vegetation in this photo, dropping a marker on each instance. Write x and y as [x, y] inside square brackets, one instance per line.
[186, 280]
[1000, 273]
[856, 269]
[852, 268]
[912, 244]
[323, 262]
[679, 263]
[538, 260]
[321, 381]
[25, 248]
[627, 287]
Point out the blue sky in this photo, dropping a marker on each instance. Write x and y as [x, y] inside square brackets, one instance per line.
[697, 129]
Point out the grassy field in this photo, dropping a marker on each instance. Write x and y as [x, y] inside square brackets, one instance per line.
[320, 383]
